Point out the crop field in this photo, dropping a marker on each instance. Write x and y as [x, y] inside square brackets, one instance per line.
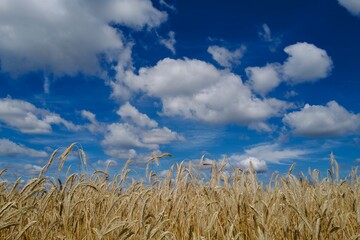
[184, 204]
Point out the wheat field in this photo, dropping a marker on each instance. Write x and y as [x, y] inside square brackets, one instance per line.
[184, 204]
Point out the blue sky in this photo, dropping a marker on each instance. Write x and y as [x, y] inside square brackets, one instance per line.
[272, 82]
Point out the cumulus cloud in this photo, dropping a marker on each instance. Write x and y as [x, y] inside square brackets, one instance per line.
[27, 118]
[124, 135]
[173, 77]
[67, 36]
[263, 79]
[122, 140]
[323, 121]
[131, 114]
[10, 149]
[353, 6]
[306, 63]
[225, 57]
[170, 42]
[194, 89]
[236, 161]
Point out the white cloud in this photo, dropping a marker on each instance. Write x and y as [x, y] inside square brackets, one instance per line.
[52, 118]
[109, 162]
[89, 116]
[266, 35]
[32, 169]
[119, 90]
[262, 154]
[261, 127]
[263, 79]
[67, 36]
[173, 77]
[290, 94]
[94, 125]
[46, 85]
[164, 173]
[203, 162]
[158, 136]
[353, 6]
[26, 118]
[170, 42]
[9, 148]
[275, 153]
[131, 13]
[139, 132]
[130, 114]
[120, 153]
[126, 136]
[323, 121]
[20, 114]
[123, 136]
[197, 90]
[306, 63]
[244, 163]
[225, 57]
[163, 3]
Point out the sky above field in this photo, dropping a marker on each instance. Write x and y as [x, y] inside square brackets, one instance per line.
[271, 82]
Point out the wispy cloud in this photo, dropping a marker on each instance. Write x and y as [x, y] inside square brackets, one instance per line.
[164, 3]
[266, 35]
[169, 42]
[46, 85]
[290, 94]
[271, 153]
